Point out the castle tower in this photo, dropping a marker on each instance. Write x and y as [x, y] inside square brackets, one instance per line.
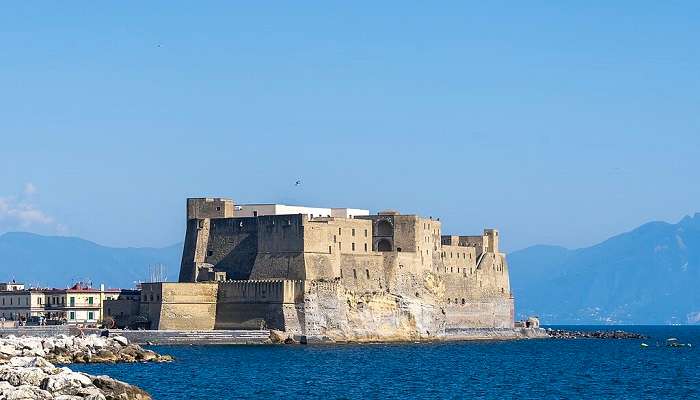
[200, 208]
[491, 239]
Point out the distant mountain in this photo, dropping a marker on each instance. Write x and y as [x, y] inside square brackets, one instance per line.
[57, 261]
[650, 275]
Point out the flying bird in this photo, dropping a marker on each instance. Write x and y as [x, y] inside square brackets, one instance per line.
[298, 182]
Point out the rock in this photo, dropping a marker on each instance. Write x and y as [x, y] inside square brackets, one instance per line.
[9, 350]
[114, 389]
[164, 358]
[277, 336]
[121, 340]
[104, 356]
[18, 376]
[48, 345]
[66, 383]
[31, 362]
[26, 392]
[147, 355]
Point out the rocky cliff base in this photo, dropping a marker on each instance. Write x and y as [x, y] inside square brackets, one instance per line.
[37, 378]
[449, 335]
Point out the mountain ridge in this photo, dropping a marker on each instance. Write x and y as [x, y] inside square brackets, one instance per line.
[646, 275]
[59, 261]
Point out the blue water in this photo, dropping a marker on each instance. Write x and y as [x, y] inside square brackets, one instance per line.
[549, 369]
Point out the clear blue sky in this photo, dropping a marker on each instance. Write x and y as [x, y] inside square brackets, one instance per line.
[558, 124]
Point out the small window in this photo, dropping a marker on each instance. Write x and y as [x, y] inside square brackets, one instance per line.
[353, 231]
[340, 231]
[463, 301]
[218, 208]
[353, 247]
[330, 249]
[255, 214]
[91, 315]
[365, 246]
[365, 232]
[335, 239]
[367, 272]
[354, 273]
[210, 253]
[90, 300]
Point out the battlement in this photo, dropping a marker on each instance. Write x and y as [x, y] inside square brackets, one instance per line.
[208, 207]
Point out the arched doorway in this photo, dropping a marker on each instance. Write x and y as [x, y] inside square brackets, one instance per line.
[383, 245]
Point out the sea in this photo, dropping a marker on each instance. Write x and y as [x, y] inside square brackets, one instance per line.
[524, 369]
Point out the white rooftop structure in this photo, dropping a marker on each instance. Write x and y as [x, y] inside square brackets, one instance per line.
[254, 210]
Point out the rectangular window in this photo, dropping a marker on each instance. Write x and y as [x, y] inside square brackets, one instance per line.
[365, 246]
[340, 245]
[354, 273]
[90, 300]
[340, 231]
[72, 301]
[91, 315]
[365, 232]
[353, 247]
[367, 271]
[329, 249]
[353, 231]
[71, 316]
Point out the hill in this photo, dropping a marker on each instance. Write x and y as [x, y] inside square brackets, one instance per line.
[56, 261]
[649, 275]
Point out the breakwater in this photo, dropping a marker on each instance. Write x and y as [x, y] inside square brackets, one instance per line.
[597, 334]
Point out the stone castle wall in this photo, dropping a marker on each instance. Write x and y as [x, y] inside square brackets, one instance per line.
[180, 306]
[378, 276]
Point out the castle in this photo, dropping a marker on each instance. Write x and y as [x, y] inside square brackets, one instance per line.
[335, 273]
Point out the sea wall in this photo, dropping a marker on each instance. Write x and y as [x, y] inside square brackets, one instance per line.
[181, 306]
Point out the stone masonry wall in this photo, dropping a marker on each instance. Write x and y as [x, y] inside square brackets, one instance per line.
[179, 306]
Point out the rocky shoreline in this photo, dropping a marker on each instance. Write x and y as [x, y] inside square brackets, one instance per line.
[598, 334]
[27, 369]
[64, 349]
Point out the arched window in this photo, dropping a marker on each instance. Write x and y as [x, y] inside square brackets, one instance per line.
[384, 228]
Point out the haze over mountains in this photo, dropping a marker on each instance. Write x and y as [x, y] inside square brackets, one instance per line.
[57, 261]
[650, 275]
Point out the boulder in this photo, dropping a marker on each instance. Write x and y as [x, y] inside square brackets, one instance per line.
[114, 389]
[9, 350]
[277, 336]
[31, 362]
[26, 392]
[121, 340]
[19, 376]
[66, 383]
